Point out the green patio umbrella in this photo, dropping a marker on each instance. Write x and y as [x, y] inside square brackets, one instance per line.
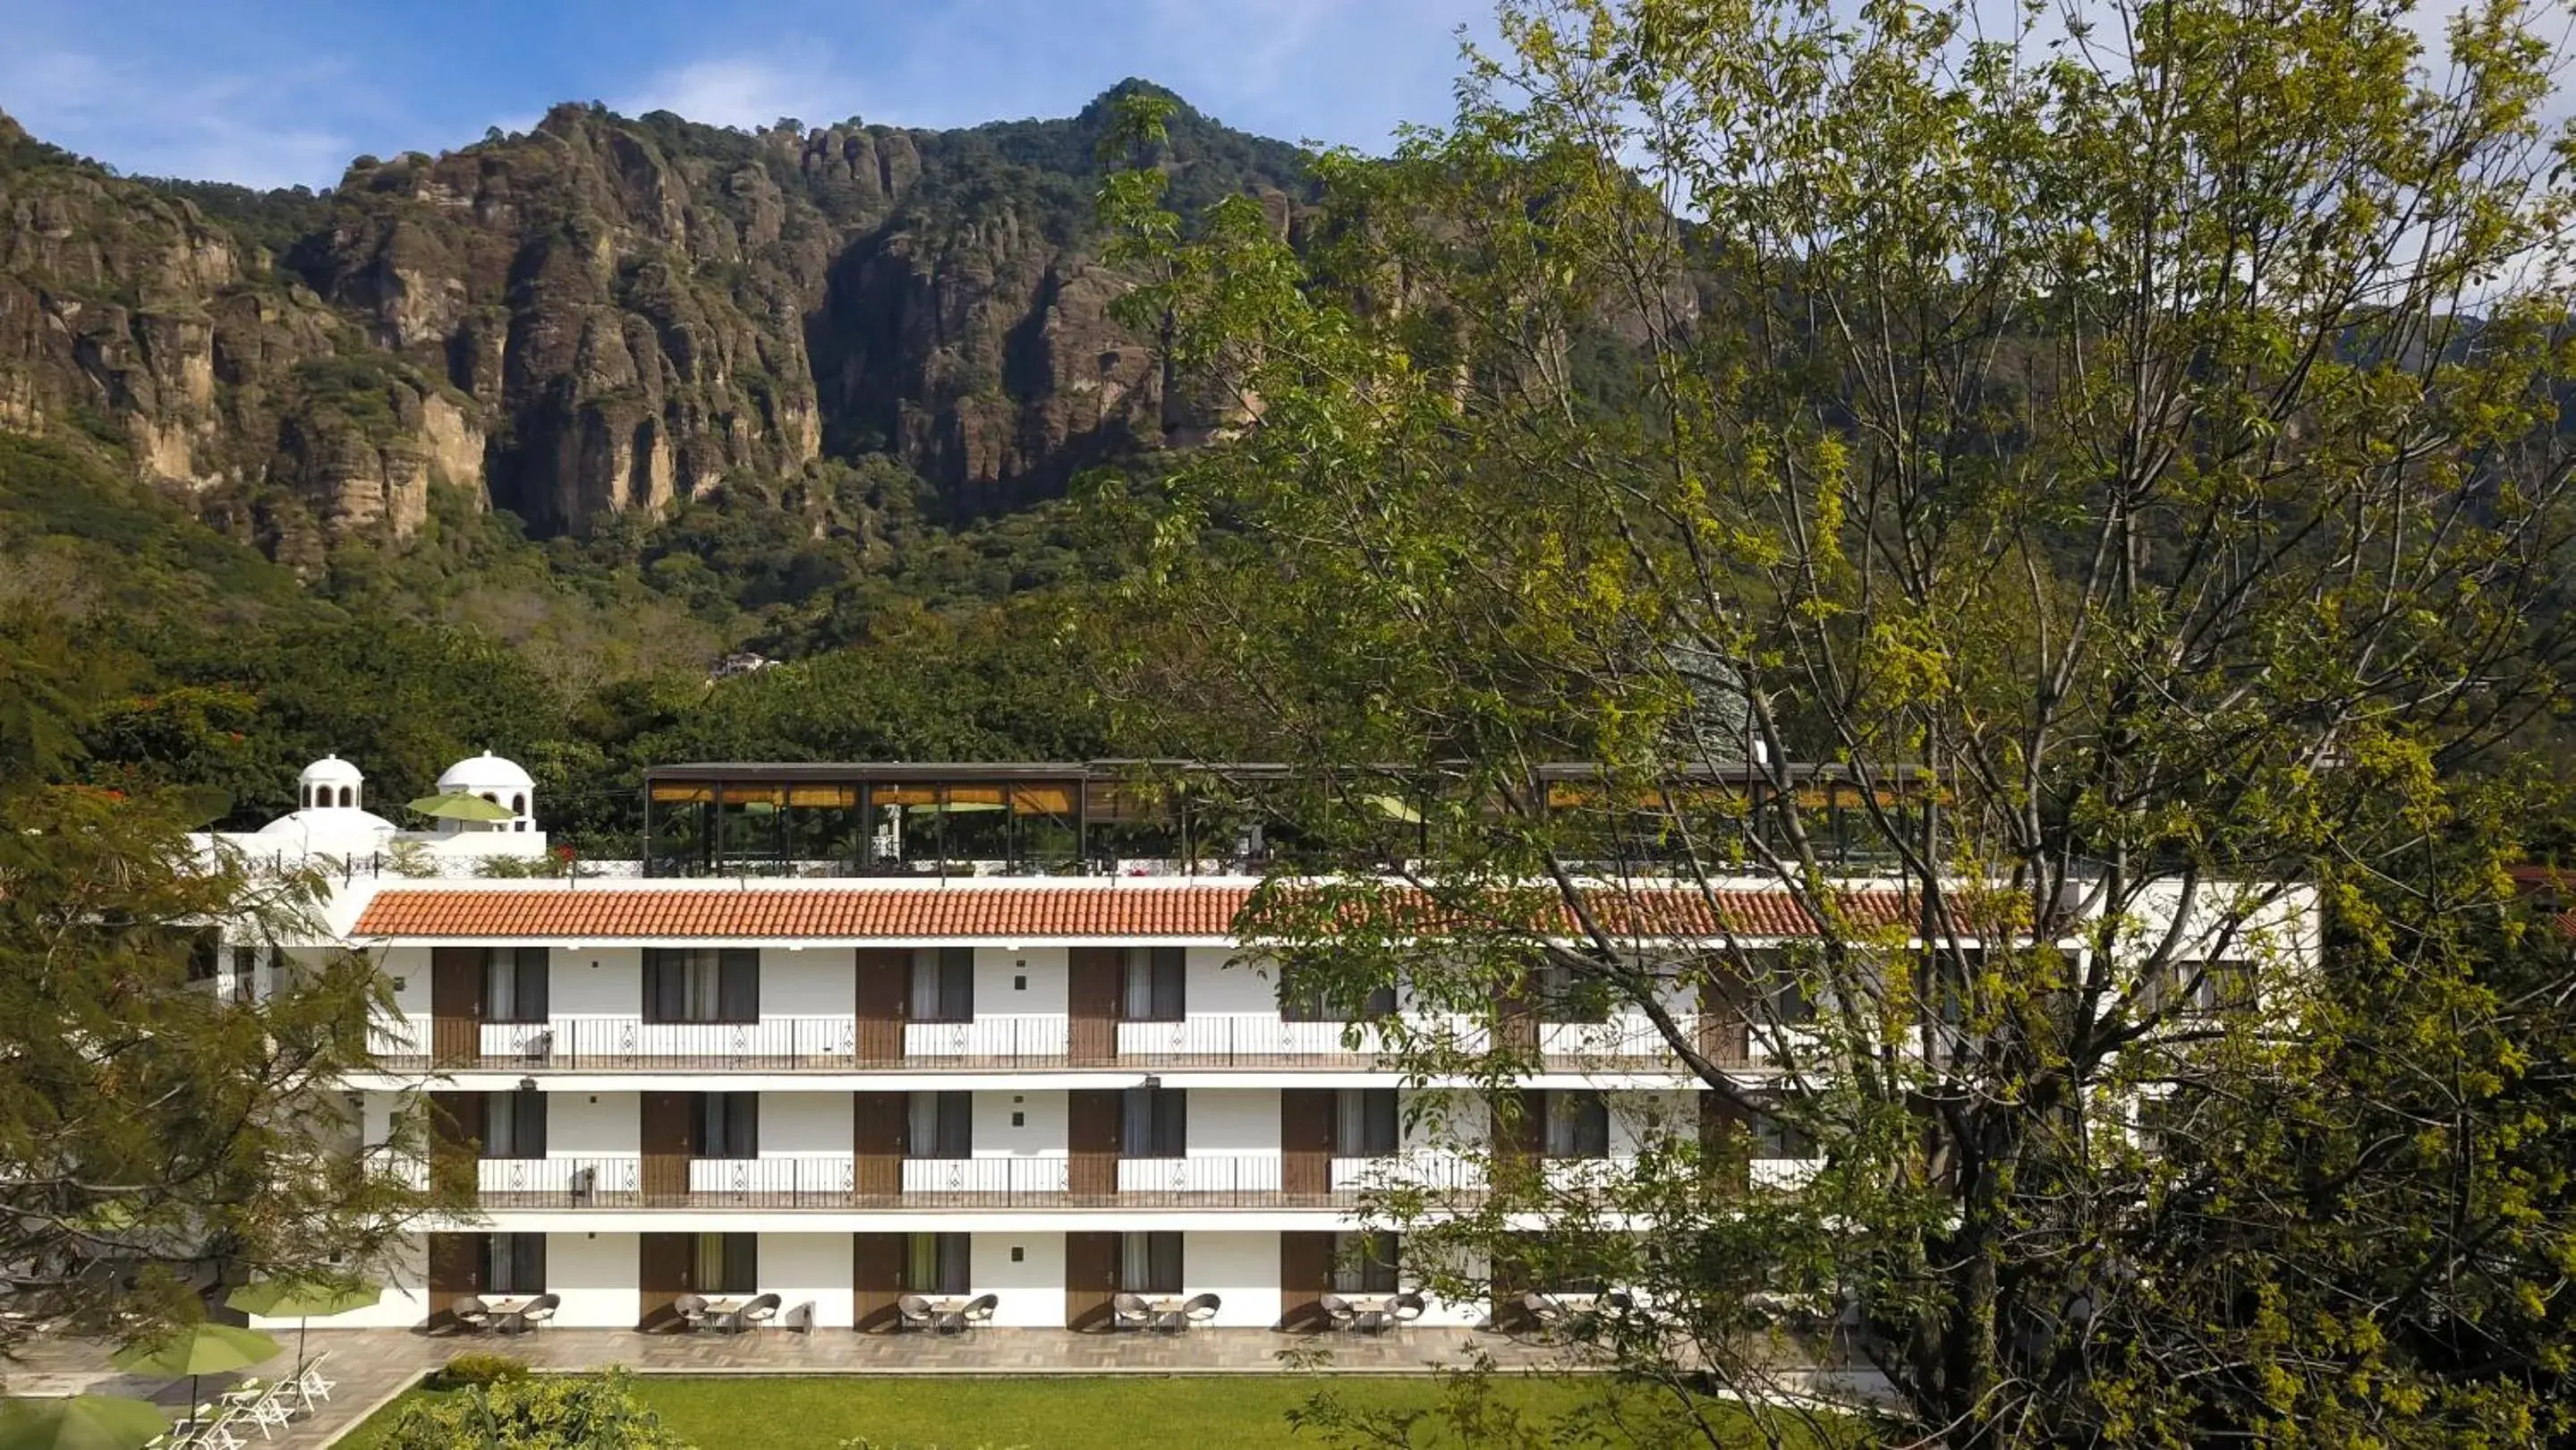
[287, 1299]
[80, 1422]
[199, 1349]
[459, 805]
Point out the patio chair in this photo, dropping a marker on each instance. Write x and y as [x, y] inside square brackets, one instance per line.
[758, 1313]
[979, 1310]
[1408, 1306]
[312, 1384]
[1130, 1311]
[913, 1311]
[473, 1313]
[1545, 1310]
[270, 1412]
[540, 1309]
[1199, 1309]
[1338, 1310]
[692, 1309]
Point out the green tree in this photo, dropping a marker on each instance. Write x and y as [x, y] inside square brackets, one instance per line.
[2003, 493]
[153, 1138]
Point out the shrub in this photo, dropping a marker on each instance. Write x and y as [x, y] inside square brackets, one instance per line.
[535, 1412]
[478, 1368]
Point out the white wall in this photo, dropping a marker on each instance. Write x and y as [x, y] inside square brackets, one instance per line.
[597, 1276]
[405, 1304]
[1045, 968]
[1226, 1122]
[594, 1125]
[1043, 1132]
[1241, 1269]
[1211, 987]
[819, 982]
[1031, 1291]
[595, 982]
[796, 1125]
[815, 1268]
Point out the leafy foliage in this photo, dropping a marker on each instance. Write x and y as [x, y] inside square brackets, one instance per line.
[535, 1412]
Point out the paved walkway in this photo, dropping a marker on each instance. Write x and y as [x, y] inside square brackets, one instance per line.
[371, 1366]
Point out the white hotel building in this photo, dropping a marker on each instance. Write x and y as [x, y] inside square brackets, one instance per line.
[979, 1033]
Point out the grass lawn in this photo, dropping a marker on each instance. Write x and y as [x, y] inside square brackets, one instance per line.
[1057, 1412]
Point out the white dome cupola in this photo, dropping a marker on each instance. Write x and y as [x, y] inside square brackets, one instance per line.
[501, 782]
[330, 784]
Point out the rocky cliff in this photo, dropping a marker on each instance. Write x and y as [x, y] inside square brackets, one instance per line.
[596, 317]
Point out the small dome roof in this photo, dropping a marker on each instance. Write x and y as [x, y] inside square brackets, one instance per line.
[331, 770]
[486, 772]
[331, 832]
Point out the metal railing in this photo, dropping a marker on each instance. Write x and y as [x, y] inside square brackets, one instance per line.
[828, 1182]
[1249, 1040]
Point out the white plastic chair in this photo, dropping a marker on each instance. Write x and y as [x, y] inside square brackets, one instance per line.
[312, 1384]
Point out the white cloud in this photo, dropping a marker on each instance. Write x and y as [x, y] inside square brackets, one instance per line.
[255, 130]
[745, 90]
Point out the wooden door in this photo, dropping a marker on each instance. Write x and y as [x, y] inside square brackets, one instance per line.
[876, 1281]
[665, 1265]
[1519, 1131]
[884, 992]
[1725, 1037]
[455, 1270]
[455, 1005]
[1305, 1276]
[1516, 1017]
[1090, 1279]
[881, 1127]
[1725, 1144]
[1091, 1139]
[455, 1143]
[1093, 978]
[669, 1139]
[1306, 1142]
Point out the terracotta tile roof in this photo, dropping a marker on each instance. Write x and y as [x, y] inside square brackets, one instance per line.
[1116, 912]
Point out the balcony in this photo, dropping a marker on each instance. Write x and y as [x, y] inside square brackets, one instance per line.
[1038, 1183]
[1254, 1041]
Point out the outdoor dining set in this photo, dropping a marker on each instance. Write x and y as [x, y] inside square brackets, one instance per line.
[507, 1313]
[1372, 1313]
[950, 1315]
[1169, 1314]
[732, 1314]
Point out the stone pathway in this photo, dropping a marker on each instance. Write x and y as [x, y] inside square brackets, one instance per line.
[372, 1366]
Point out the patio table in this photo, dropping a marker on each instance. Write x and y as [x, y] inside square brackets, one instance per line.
[948, 1315]
[506, 1308]
[728, 1309]
[1373, 1313]
[1167, 1311]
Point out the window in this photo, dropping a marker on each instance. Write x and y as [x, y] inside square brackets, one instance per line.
[1303, 1002]
[1364, 1122]
[943, 984]
[245, 973]
[1786, 994]
[205, 957]
[727, 1264]
[1154, 1122]
[514, 1124]
[701, 984]
[1564, 996]
[1778, 1137]
[1365, 1263]
[1149, 1263]
[728, 1125]
[942, 1126]
[1154, 991]
[2227, 987]
[937, 1263]
[514, 1263]
[1578, 1125]
[514, 984]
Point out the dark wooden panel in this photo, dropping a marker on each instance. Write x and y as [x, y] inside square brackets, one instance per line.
[1093, 978]
[1306, 1140]
[456, 1004]
[884, 991]
[1516, 1017]
[1305, 1275]
[669, 1134]
[1090, 1279]
[876, 1281]
[1725, 1144]
[664, 1265]
[881, 1126]
[455, 1270]
[1510, 1280]
[455, 1136]
[1091, 1142]
[1725, 1036]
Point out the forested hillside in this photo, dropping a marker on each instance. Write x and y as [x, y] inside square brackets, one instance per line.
[504, 448]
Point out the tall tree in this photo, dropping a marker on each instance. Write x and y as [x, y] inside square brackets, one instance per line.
[2060, 501]
[155, 1136]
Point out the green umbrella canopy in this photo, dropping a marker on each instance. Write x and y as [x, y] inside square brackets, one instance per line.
[80, 1422]
[197, 1349]
[458, 805]
[287, 1299]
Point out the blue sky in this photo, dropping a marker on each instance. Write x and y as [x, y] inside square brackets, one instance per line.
[287, 91]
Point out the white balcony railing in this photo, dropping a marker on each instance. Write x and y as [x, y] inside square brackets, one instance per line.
[570, 1178]
[1008, 1035]
[1233, 1174]
[821, 1173]
[985, 1175]
[1428, 1170]
[1228, 1036]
